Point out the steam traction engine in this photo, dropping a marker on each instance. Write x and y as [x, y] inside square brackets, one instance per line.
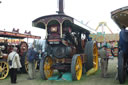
[6, 47]
[120, 16]
[67, 46]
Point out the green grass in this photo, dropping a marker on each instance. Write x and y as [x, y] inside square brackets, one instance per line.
[85, 80]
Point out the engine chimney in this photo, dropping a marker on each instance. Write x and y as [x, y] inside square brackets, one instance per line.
[61, 8]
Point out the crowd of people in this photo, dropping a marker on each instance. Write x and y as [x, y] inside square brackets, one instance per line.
[33, 55]
[15, 64]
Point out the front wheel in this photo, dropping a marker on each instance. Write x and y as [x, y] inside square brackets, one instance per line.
[4, 69]
[45, 67]
[26, 65]
[92, 55]
[76, 67]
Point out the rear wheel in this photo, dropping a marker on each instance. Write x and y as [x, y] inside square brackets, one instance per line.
[121, 68]
[76, 67]
[95, 57]
[26, 65]
[45, 67]
[4, 69]
[92, 55]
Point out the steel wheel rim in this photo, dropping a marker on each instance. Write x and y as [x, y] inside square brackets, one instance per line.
[26, 64]
[48, 71]
[36, 62]
[78, 68]
[95, 57]
[4, 69]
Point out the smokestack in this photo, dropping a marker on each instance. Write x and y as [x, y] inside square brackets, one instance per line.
[61, 7]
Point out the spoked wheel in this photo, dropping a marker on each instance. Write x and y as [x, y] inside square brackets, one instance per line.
[76, 67]
[26, 64]
[36, 63]
[46, 67]
[95, 57]
[121, 68]
[92, 55]
[4, 69]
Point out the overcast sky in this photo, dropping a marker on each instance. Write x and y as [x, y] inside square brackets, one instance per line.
[21, 13]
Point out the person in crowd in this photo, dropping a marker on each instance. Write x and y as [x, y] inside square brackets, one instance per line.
[104, 61]
[15, 64]
[5, 46]
[40, 54]
[39, 57]
[31, 62]
[109, 47]
[112, 51]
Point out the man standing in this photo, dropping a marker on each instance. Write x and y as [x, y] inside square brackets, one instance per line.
[104, 61]
[15, 64]
[31, 62]
[39, 57]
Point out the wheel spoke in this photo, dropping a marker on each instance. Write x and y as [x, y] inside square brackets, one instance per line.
[4, 69]
[94, 64]
[77, 67]
[4, 65]
[2, 74]
[47, 72]
[77, 73]
[45, 66]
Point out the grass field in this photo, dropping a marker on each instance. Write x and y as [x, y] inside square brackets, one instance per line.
[86, 80]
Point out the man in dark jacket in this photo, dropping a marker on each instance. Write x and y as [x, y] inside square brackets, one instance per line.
[123, 42]
[31, 62]
[39, 57]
